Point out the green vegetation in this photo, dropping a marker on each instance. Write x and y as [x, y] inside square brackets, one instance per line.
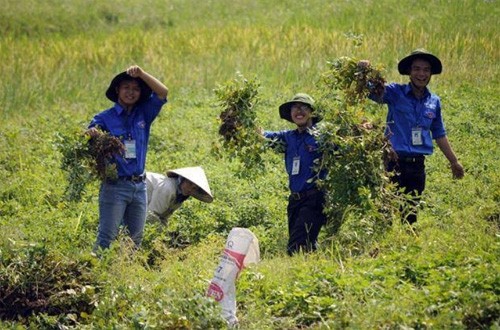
[85, 159]
[57, 59]
[239, 132]
[361, 203]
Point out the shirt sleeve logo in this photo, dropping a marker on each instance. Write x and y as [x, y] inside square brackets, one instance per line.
[310, 148]
[430, 114]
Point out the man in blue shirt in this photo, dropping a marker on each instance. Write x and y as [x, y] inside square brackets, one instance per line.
[138, 98]
[305, 203]
[413, 121]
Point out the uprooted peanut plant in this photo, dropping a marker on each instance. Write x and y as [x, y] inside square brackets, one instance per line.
[239, 132]
[87, 159]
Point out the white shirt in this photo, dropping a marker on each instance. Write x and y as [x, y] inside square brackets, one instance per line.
[162, 192]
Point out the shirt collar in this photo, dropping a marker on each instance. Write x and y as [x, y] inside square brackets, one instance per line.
[179, 197]
[408, 90]
[178, 181]
[307, 131]
[120, 110]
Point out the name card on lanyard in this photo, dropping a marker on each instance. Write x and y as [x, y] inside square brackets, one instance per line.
[130, 148]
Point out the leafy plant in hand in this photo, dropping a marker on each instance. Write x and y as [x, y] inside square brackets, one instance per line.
[239, 133]
[352, 81]
[86, 159]
[360, 200]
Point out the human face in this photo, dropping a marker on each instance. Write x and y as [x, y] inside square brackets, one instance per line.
[129, 93]
[301, 115]
[188, 188]
[420, 73]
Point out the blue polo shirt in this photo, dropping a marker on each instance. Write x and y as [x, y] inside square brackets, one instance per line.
[304, 146]
[135, 126]
[407, 112]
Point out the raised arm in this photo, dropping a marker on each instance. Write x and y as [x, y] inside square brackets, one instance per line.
[157, 86]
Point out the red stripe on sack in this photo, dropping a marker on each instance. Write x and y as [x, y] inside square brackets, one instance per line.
[237, 257]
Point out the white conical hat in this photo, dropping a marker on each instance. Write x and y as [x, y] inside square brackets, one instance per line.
[197, 176]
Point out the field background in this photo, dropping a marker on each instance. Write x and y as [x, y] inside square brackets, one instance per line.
[57, 59]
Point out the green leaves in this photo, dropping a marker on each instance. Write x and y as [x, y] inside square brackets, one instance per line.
[352, 81]
[239, 133]
[360, 201]
[86, 159]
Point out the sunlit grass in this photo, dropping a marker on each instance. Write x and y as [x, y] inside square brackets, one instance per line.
[57, 59]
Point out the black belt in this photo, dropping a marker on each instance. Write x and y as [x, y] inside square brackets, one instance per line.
[299, 195]
[414, 159]
[134, 178]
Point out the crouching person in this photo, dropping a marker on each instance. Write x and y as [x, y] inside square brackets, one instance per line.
[166, 193]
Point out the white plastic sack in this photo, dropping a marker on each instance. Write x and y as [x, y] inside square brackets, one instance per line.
[242, 248]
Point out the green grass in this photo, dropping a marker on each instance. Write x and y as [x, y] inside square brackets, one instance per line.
[57, 59]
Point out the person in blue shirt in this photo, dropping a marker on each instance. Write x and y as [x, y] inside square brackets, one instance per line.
[138, 98]
[414, 120]
[305, 203]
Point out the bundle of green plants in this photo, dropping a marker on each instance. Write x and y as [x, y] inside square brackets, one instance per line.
[87, 159]
[360, 199]
[239, 133]
[350, 81]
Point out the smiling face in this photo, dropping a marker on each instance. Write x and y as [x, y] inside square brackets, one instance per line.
[301, 115]
[129, 93]
[420, 73]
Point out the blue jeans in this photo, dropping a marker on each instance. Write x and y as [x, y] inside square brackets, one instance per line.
[122, 202]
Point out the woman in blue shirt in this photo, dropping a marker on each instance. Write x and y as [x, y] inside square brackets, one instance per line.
[305, 203]
[138, 98]
[413, 121]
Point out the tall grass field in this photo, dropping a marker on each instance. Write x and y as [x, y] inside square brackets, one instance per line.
[57, 57]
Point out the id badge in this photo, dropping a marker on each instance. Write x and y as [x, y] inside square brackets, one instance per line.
[296, 165]
[416, 136]
[130, 149]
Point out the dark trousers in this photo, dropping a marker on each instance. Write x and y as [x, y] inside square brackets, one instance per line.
[409, 174]
[305, 219]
